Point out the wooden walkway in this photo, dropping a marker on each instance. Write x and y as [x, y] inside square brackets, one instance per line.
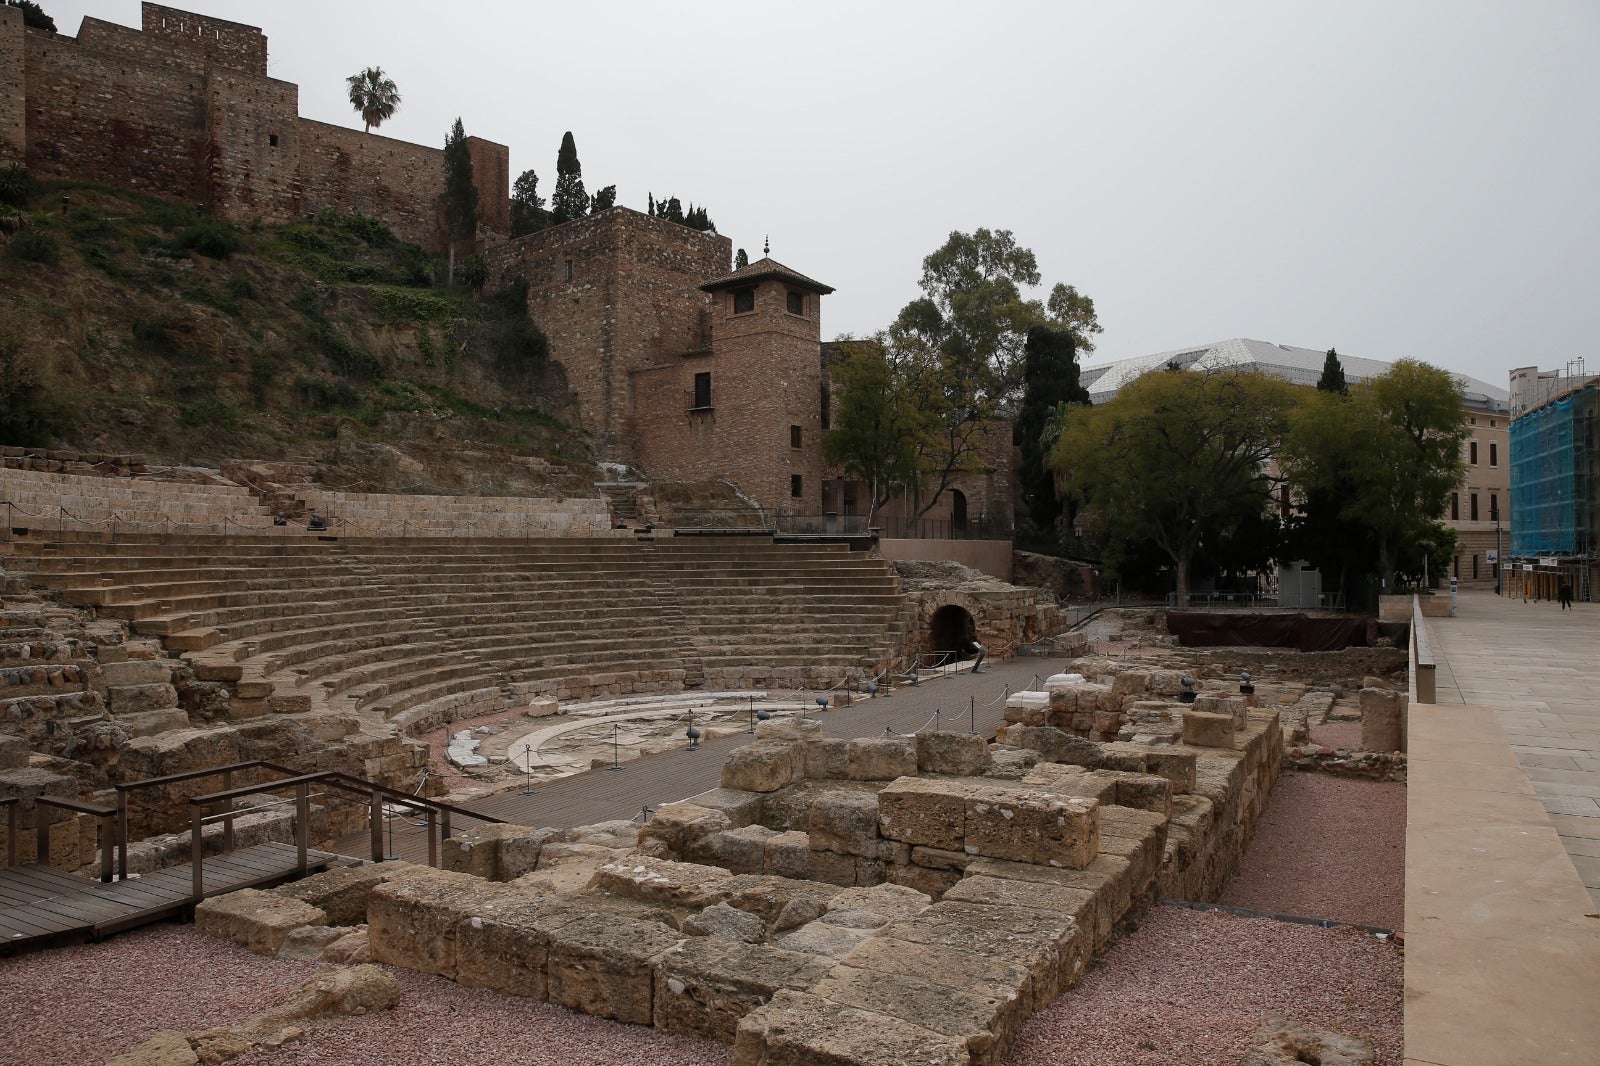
[965, 701]
[41, 906]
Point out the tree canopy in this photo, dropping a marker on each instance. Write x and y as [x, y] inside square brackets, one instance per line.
[33, 16]
[1389, 451]
[604, 199]
[374, 95]
[1176, 459]
[1332, 379]
[527, 206]
[875, 423]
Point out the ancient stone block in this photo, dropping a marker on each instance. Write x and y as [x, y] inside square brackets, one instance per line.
[1206, 729]
[1136, 835]
[13, 752]
[1146, 792]
[1108, 877]
[923, 812]
[495, 852]
[603, 965]
[1382, 712]
[826, 939]
[763, 766]
[260, 921]
[678, 826]
[1174, 765]
[940, 858]
[986, 1019]
[770, 896]
[846, 823]
[703, 986]
[881, 758]
[796, 1029]
[884, 902]
[1072, 781]
[1040, 941]
[1130, 683]
[957, 754]
[341, 893]
[506, 947]
[1031, 826]
[742, 808]
[673, 884]
[1128, 757]
[741, 851]
[827, 758]
[725, 923]
[927, 880]
[413, 922]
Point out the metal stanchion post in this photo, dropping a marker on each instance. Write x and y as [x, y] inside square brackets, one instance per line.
[527, 769]
[616, 746]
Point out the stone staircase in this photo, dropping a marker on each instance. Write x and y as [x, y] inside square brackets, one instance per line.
[419, 631]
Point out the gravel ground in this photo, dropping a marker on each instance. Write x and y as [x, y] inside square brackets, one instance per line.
[1190, 986]
[1328, 847]
[81, 1006]
[1337, 735]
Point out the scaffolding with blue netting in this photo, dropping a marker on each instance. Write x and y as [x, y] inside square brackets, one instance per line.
[1553, 477]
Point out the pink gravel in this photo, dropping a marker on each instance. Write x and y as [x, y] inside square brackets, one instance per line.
[80, 1006]
[1189, 987]
[1345, 735]
[1327, 847]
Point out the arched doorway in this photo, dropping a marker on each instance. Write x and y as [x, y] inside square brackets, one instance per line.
[951, 630]
[958, 511]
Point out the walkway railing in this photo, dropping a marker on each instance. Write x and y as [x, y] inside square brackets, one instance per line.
[1423, 666]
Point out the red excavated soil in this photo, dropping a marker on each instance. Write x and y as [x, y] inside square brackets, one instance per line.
[1327, 847]
[1190, 986]
[1336, 735]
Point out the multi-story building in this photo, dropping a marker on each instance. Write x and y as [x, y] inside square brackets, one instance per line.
[1477, 510]
[1555, 480]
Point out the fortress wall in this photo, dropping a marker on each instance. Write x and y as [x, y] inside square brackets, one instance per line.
[632, 300]
[223, 43]
[13, 87]
[98, 116]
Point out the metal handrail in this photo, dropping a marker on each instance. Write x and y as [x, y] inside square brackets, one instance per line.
[106, 829]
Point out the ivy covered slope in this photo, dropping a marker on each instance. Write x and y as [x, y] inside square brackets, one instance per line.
[132, 324]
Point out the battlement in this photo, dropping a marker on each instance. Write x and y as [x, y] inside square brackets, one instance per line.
[183, 107]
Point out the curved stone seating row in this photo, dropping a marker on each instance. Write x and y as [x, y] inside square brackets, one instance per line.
[402, 629]
[364, 513]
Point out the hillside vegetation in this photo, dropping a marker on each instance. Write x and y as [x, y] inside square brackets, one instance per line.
[133, 324]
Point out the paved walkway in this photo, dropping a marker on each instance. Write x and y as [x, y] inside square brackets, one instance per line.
[1537, 668]
[965, 700]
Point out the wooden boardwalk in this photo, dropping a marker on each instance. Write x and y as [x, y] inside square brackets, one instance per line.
[965, 700]
[40, 905]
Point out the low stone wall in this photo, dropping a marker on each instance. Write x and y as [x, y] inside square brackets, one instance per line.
[879, 900]
[992, 557]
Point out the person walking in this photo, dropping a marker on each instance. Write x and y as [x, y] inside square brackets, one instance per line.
[1564, 594]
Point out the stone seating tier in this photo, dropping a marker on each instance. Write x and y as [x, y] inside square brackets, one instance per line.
[392, 627]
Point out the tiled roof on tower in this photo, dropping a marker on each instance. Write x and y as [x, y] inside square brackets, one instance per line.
[763, 269]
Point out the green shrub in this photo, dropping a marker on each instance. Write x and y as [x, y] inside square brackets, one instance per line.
[242, 289]
[347, 357]
[475, 274]
[207, 412]
[34, 246]
[15, 185]
[211, 238]
[262, 372]
[321, 395]
[399, 304]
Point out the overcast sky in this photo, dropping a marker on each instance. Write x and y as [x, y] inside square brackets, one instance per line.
[1394, 179]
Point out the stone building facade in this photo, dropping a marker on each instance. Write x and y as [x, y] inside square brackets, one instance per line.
[183, 107]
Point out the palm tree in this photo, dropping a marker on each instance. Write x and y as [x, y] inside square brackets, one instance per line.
[374, 95]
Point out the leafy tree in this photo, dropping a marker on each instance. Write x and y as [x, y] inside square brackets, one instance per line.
[460, 195]
[527, 206]
[33, 15]
[569, 201]
[605, 198]
[1176, 459]
[1332, 379]
[1394, 445]
[374, 95]
[741, 260]
[30, 413]
[698, 218]
[874, 426]
[1049, 380]
[1074, 312]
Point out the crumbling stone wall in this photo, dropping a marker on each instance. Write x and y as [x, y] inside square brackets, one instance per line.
[1004, 616]
[13, 92]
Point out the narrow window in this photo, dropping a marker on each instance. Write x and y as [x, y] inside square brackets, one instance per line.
[827, 407]
[272, 140]
[1494, 507]
[794, 436]
[702, 389]
[744, 300]
[569, 270]
[1474, 506]
[1472, 452]
[1457, 567]
[1494, 453]
[797, 303]
[1455, 507]
[796, 486]
[1474, 568]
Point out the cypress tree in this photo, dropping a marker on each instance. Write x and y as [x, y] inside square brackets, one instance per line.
[1049, 378]
[460, 194]
[1332, 379]
[569, 201]
[605, 198]
[741, 260]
